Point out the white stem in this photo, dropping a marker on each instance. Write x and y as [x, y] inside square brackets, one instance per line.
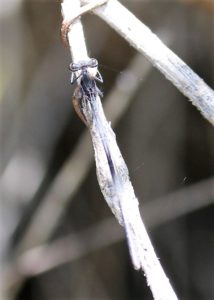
[76, 39]
[146, 42]
[119, 196]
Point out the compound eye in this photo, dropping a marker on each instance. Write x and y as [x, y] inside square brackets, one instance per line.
[94, 63]
[73, 67]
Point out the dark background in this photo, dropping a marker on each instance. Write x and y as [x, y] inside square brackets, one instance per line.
[167, 144]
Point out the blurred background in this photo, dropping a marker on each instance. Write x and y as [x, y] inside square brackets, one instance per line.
[58, 238]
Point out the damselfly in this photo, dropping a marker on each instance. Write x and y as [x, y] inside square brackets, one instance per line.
[88, 91]
[86, 84]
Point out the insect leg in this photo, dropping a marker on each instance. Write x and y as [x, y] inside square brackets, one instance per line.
[98, 77]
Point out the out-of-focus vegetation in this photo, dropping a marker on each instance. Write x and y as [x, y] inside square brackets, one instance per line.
[166, 143]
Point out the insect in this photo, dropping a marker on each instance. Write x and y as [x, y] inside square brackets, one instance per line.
[86, 84]
[87, 90]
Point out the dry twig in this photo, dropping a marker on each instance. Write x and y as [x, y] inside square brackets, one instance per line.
[118, 192]
[167, 62]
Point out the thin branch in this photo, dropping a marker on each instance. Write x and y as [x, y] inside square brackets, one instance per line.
[81, 11]
[167, 62]
[118, 191]
[76, 39]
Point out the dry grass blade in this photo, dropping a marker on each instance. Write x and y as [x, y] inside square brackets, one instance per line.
[167, 62]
